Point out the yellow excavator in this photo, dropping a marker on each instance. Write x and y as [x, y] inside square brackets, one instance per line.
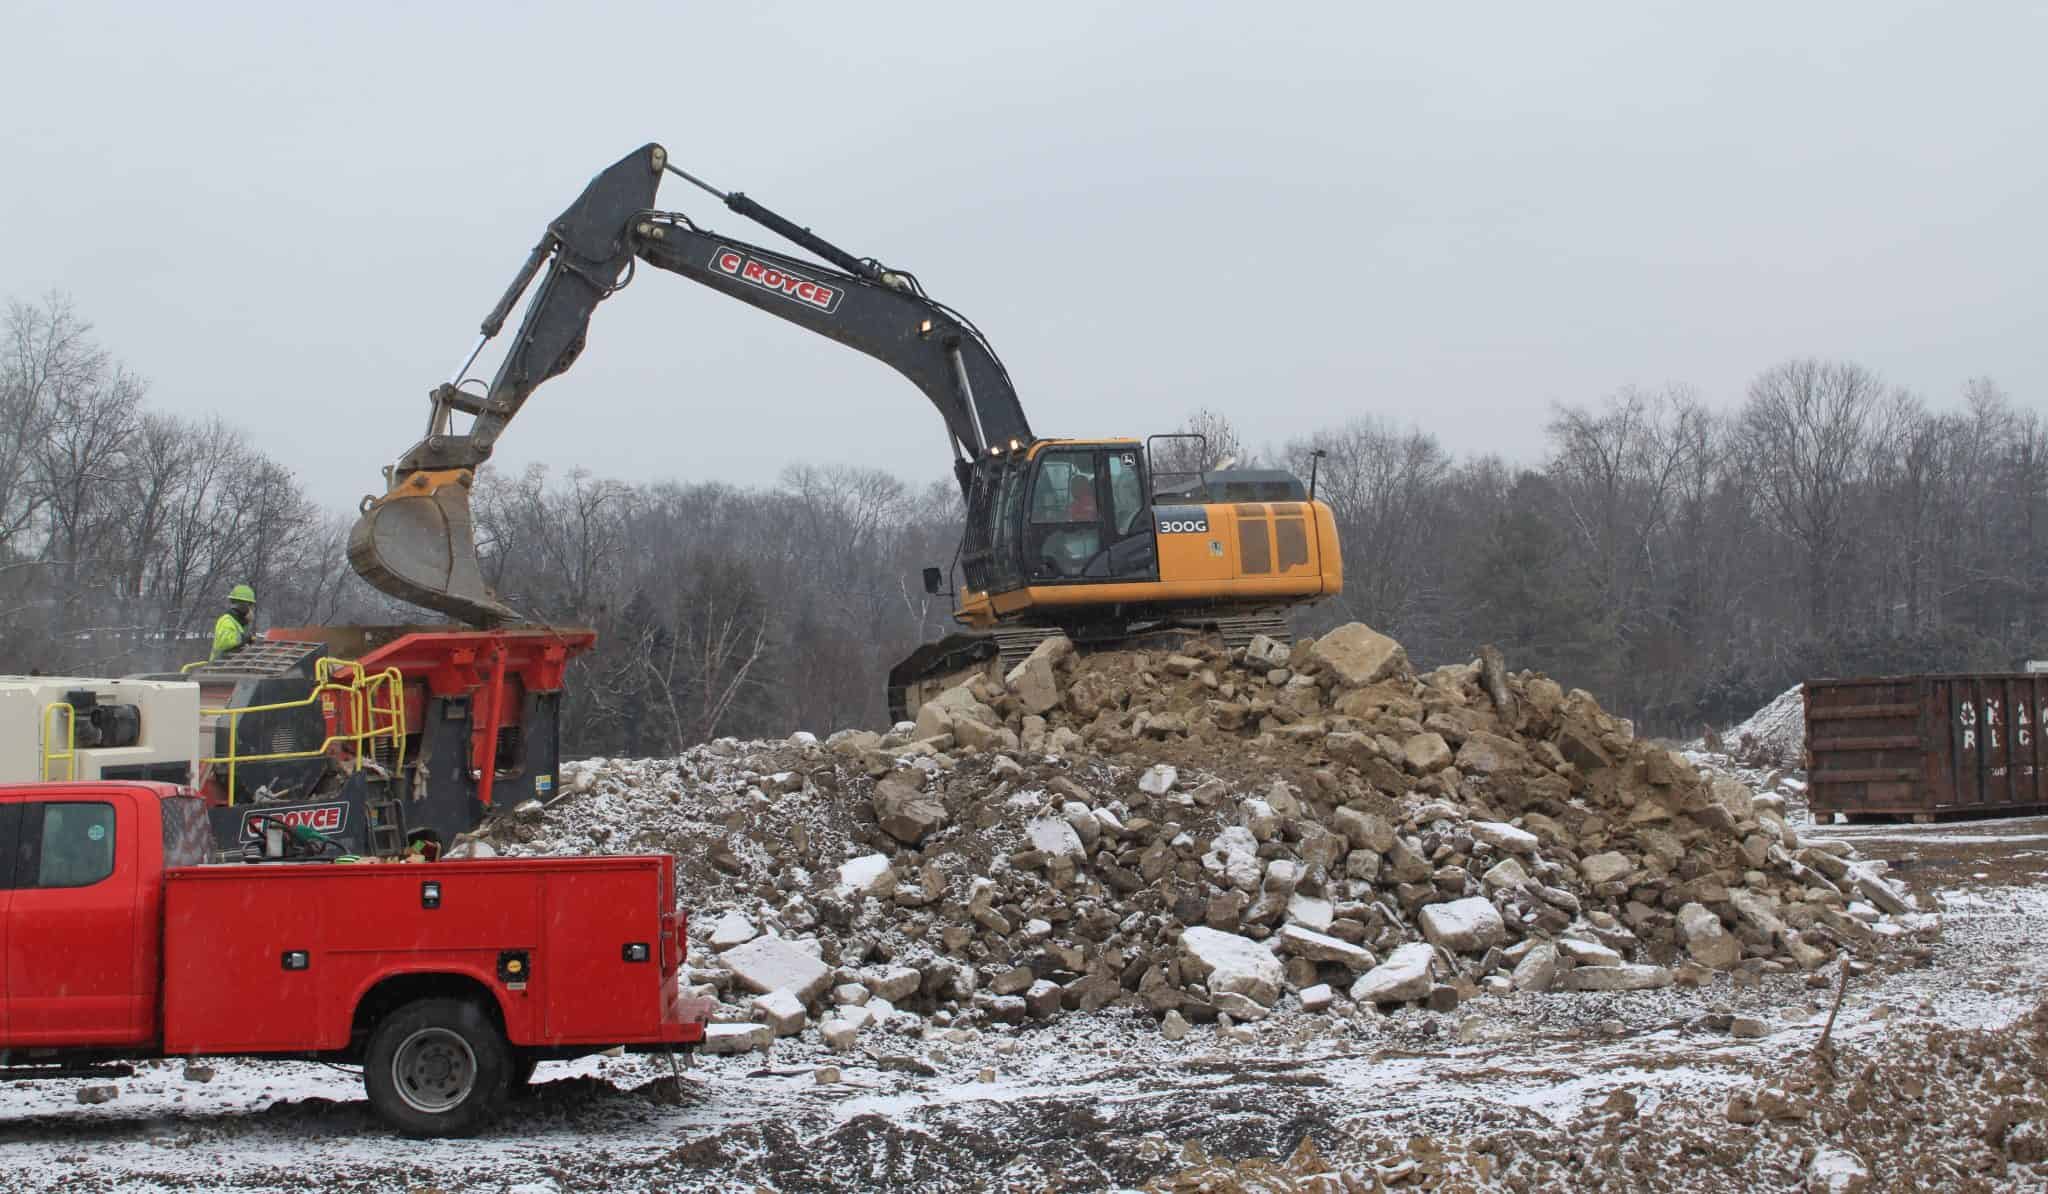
[1091, 538]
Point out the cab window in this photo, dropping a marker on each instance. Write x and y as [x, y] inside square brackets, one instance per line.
[1009, 504]
[73, 846]
[1065, 489]
[1065, 514]
[1126, 489]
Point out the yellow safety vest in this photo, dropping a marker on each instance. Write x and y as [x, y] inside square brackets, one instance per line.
[228, 633]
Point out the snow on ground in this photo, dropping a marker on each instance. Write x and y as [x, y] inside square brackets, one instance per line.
[1082, 1103]
[1513, 1092]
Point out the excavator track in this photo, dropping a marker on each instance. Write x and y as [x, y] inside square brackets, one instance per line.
[937, 666]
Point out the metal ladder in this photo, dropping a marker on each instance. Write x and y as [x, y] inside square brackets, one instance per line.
[384, 819]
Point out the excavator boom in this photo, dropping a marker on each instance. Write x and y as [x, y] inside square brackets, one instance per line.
[417, 542]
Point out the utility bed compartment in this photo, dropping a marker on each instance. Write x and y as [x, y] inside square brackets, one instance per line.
[574, 951]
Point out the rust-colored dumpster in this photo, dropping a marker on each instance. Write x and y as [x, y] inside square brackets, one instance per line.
[1926, 746]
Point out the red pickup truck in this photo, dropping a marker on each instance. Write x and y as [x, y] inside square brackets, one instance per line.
[447, 981]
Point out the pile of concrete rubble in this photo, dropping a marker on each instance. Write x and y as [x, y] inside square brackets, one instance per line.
[1213, 835]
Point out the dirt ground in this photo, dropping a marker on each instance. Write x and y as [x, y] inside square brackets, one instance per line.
[1937, 1079]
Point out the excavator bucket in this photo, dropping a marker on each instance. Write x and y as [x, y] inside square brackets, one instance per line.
[418, 544]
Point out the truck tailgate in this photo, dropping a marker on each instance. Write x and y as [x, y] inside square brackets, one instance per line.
[278, 958]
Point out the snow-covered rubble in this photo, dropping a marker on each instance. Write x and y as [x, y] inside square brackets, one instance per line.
[1773, 736]
[1209, 835]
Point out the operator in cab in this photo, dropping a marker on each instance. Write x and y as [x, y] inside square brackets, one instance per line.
[232, 628]
[1081, 498]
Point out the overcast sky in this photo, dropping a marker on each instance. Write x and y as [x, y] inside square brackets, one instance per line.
[1450, 215]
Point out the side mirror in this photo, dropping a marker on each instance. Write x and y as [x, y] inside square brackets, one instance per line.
[933, 579]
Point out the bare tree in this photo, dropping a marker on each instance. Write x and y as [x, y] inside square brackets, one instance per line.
[1220, 446]
[1384, 488]
[1804, 430]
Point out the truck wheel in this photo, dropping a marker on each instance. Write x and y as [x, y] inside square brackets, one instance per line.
[437, 1067]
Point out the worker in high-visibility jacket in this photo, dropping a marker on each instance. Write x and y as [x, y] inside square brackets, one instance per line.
[232, 629]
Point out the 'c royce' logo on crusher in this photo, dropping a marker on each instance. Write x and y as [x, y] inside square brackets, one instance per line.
[794, 287]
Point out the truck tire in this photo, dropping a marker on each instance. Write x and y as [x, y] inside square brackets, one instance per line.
[437, 1067]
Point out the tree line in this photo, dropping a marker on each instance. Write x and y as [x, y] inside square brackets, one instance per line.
[1683, 561]
[122, 528]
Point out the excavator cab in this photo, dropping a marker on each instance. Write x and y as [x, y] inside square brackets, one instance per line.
[1074, 531]
[1080, 514]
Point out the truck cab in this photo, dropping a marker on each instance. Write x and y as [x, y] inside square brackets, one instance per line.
[446, 981]
[80, 929]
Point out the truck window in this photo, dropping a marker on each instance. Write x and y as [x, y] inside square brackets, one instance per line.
[75, 847]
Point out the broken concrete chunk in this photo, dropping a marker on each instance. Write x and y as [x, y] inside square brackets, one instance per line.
[1402, 977]
[1319, 947]
[781, 1012]
[769, 963]
[1241, 1007]
[1158, 780]
[1358, 655]
[1084, 821]
[1504, 875]
[869, 875]
[1490, 754]
[1036, 684]
[736, 1038]
[1464, 926]
[1267, 651]
[1365, 831]
[732, 929]
[1309, 912]
[896, 984]
[1587, 953]
[1880, 891]
[1759, 914]
[1606, 868]
[1706, 939]
[904, 811]
[1537, 971]
[1502, 836]
[1055, 838]
[838, 1034]
[1260, 818]
[1227, 962]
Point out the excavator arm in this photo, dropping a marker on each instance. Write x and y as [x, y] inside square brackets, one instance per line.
[417, 542]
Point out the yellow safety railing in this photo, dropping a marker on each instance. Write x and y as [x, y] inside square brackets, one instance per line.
[69, 755]
[374, 704]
